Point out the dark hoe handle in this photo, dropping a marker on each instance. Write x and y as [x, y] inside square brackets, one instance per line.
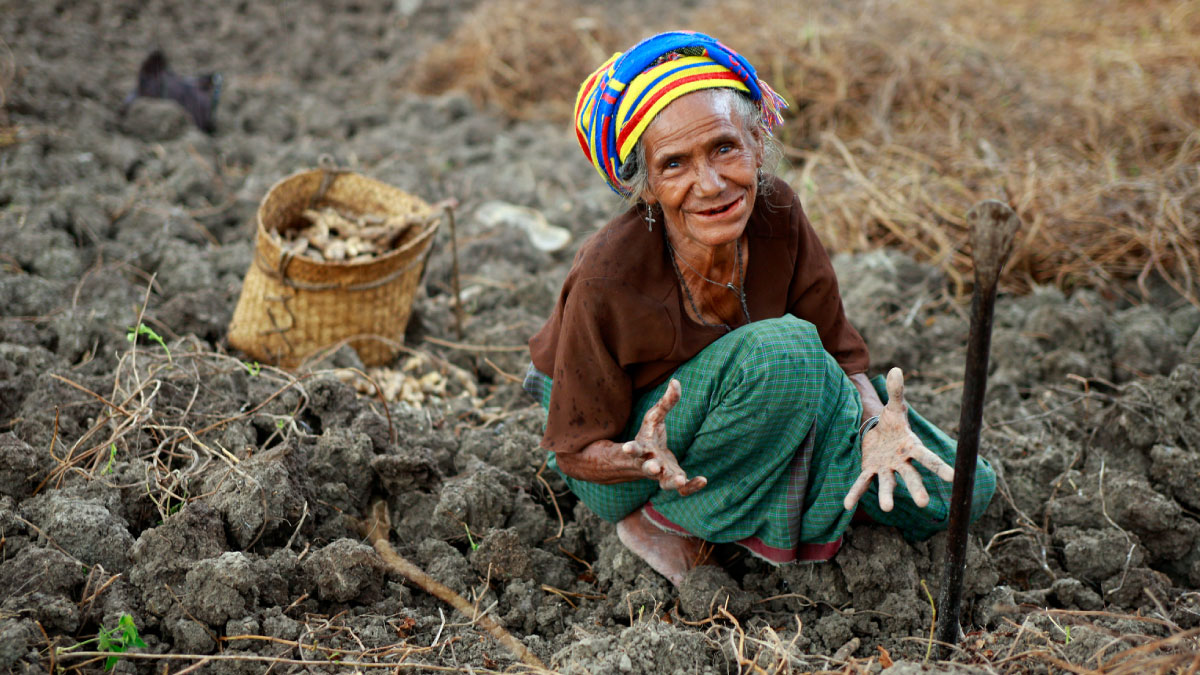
[993, 227]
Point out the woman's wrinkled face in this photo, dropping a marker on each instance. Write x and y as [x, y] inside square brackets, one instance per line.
[702, 168]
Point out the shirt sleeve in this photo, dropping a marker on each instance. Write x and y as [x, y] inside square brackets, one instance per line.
[605, 326]
[814, 297]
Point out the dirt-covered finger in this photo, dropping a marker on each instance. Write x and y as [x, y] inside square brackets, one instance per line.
[672, 481]
[671, 396]
[653, 417]
[916, 487]
[653, 468]
[895, 391]
[887, 488]
[857, 490]
[937, 465]
[693, 486]
[658, 412]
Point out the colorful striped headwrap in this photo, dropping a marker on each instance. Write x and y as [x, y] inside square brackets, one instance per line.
[616, 103]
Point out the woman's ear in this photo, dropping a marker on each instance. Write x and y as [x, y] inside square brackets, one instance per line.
[648, 197]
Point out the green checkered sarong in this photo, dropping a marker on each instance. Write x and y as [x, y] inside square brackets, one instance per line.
[770, 418]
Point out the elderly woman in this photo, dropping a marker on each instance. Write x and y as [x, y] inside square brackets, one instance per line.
[701, 380]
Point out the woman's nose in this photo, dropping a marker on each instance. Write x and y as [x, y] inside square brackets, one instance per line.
[709, 181]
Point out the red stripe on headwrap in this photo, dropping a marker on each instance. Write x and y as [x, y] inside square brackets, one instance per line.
[583, 143]
[585, 93]
[604, 158]
[633, 121]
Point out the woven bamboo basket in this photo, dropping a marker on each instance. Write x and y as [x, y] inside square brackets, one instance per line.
[293, 306]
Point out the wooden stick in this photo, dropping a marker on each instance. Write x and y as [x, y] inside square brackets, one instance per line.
[993, 226]
[458, 308]
[376, 530]
[474, 348]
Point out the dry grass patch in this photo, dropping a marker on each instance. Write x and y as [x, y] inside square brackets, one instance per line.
[1084, 116]
[526, 57]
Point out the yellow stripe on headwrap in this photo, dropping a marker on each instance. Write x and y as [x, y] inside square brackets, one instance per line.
[585, 104]
[654, 89]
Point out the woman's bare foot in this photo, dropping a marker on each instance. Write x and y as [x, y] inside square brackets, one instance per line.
[671, 555]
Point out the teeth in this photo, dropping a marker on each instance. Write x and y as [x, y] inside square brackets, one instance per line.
[717, 210]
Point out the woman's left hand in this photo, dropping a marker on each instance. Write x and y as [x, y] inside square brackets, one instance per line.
[650, 452]
[890, 448]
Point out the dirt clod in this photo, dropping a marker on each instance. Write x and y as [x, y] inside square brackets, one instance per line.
[84, 528]
[708, 589]
[344, 571]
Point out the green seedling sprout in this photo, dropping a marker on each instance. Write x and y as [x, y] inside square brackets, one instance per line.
[252, 368]
[470, 540]
[115, 641]
[173, 508]
[1064, 629]
[119, 640]
[143, 329]
[112, 455]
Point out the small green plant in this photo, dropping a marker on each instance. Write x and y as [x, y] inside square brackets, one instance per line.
[119, 640]
[173, 506]
[112, 456]
[143, 329]
[252, 368]
[279, 423]
[470, 539]
[169, 505]
[1064, 629]
[115, 641]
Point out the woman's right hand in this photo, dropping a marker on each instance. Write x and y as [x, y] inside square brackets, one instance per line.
[649, 451]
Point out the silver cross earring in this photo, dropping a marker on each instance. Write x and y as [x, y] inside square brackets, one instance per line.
[649, 218]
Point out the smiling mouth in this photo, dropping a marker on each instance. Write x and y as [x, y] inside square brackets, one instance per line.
[720, 209]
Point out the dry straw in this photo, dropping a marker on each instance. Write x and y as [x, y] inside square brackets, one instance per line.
[1085, 117]
[291, 306]
[526, 57]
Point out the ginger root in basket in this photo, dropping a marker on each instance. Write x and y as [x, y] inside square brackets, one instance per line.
[333, 235]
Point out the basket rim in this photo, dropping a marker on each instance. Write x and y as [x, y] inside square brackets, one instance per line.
[435, 219]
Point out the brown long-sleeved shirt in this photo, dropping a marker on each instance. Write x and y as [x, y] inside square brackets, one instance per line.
[620, 327]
